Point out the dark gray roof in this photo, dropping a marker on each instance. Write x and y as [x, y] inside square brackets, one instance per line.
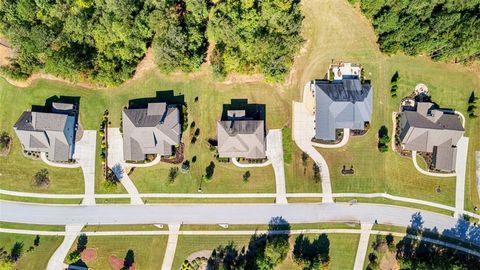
[341, 104]
[444, 157]
[152, 130]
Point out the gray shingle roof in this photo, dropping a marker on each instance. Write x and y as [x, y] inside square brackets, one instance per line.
[152, 130]
[47, 132]
[341, 104]
[241, 138]
[428, 129]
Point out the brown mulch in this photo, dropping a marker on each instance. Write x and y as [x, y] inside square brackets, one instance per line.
[178, 158]
[117, 264]
[88, 254]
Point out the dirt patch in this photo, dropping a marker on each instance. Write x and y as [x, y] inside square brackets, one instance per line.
[6, 53]
[117, 263]
[147, 64]
[88, 254]
[389, 262]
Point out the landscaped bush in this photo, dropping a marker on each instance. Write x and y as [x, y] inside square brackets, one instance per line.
[172, 174]
[383, 139]
[41, 178]
[5, 141]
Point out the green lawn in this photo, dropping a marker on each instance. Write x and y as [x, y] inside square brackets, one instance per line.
[21, 226]
[39, 200]
[342, 248]
[148, 250]
[352, 39]
[144, 227]
[33, 260]
[242, 227]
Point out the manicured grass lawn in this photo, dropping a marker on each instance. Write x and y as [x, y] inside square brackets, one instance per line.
[342, 248]
[20, 226]
[236, 227]
[148, 250]
[394, 202]
[39, 200]
[145, 227]
[33, 260]
[209, 200]
[352, 39]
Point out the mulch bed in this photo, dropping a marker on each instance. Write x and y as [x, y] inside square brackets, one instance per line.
[358, 132]
[178, 158]
[117, 264]
[88, 254]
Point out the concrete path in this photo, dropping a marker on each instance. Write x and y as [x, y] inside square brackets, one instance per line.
[342, 143]
[252, 165]
[275, 155]
[85, 154]
[362, 246]
[173, 230]
[56, 262]
[422, 171]
[460, 169]
[303, 132]
[115, 162]
[43, 157]
[477, 161]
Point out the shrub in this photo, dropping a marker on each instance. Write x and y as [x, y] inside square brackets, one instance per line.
[41, 178]
[5, 140]
[173, 174]
[73, 257]
[185, 166]
[246, 176]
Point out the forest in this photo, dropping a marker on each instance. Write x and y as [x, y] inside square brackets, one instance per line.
[442, 29]
[102, 41]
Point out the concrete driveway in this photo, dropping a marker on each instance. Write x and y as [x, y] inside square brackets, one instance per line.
[460, 170]
[303, 132]
[275, 155]
[85, 153]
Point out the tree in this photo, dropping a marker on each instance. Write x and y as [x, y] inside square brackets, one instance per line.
[246, 176]
[41, 178]
[304, 159]
[472, 99]
[16, 251]
[255, 36]
[444, 30]
[5, 140]
[226, 257]
[36, 241]
[312, 254]
[209, 170]
[82, 242]
[129, 259]
[172, 174]
[383, 139]
[185, 166]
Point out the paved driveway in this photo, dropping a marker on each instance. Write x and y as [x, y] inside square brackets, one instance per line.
[460, 170]
[275, 155]
[303, 132]
[115, 162]
[85, 151]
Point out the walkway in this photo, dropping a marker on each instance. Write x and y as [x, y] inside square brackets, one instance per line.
[173, 230]
[422, 171]
[303, 132]
[460, 169]
[252, 165]
[85, 154]
[43, 157]
[115, 162]
[362, 246]
[275, 155]
[477, 159]
[56, 262]
[342, 143]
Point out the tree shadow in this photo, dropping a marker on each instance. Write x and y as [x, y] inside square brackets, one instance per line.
[16, 251]
[253, 111]
[167, 96]
[420, 253]
[312, 254]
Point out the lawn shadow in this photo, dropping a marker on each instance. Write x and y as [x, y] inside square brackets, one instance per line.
[167, 96]
[253, 111]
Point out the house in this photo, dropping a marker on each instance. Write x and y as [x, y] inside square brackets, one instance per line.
[241, 136]
[52, 132]
[429, 129]
[152, 130]
[344, 101]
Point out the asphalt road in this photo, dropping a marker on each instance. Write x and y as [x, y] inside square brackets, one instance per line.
[216, 213]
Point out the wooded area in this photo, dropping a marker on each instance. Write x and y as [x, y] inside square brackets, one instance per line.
[444, 30]
[103, 40]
